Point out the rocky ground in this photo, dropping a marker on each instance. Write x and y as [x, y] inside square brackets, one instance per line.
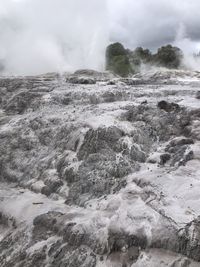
[100, 171]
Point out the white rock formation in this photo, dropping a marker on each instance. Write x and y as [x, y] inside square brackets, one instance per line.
[99, 171]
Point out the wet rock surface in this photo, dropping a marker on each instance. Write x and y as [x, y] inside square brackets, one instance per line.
[100, 171]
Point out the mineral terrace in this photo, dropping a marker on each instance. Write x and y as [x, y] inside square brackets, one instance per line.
[100, 171]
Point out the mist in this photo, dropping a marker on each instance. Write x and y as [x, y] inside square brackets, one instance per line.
[39, 36]
[64, 35]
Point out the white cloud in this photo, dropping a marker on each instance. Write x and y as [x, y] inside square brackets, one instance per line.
[152, 23]
[39, 36]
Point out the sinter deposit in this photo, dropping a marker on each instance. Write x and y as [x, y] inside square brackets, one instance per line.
[100, 171]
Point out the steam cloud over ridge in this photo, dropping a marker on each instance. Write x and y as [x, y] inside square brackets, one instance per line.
[38, 36]
[64, 35]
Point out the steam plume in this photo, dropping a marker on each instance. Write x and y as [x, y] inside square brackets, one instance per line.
[38, 36]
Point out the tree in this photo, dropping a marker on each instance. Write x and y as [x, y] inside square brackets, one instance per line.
[124, 62]
[117, 60]
[143, 54]
[138, 57]
[169, 56]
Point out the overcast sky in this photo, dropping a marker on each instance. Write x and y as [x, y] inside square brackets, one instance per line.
[52, 35]
[151, 23]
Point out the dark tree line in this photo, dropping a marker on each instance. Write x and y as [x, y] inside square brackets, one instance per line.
[124, 61]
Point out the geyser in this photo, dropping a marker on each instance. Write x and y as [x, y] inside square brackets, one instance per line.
[63, 35]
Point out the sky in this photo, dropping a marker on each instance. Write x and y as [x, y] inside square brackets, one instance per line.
[152, 23]
[64, 35]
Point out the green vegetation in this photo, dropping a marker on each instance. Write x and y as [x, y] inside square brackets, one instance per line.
[124, 62]
[117, 60]
[169, 56]
[144, 55]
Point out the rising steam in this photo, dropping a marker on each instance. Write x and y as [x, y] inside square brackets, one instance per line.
[63, 35]
[189, 47]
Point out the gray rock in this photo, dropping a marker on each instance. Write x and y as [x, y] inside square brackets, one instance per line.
[80, 80]
[198, 95]
[100, 139]
[189, 237]
[158, 122]
[168, 107]
[164, 158]
[180, 151]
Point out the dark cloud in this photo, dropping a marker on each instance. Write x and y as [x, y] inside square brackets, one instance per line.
[151, 23]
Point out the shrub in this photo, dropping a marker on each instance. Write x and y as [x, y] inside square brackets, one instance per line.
[124, 62]
[169, 56]
[120, 65]
[139, 56]
[143, 54]
[117, 60]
